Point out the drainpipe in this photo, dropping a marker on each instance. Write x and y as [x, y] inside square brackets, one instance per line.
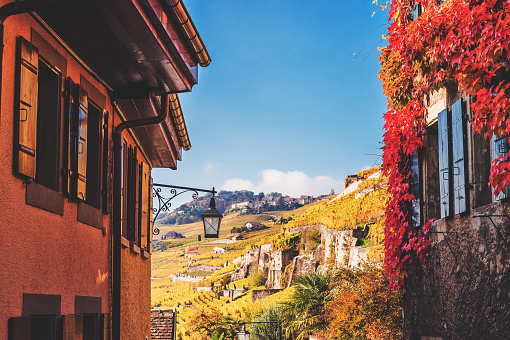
[20, 7]
[117, 204]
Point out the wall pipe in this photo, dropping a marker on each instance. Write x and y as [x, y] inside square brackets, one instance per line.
[117, 206]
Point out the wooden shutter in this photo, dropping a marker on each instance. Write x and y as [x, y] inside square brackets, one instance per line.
[415, 190]
[129, 194]
[144, 205]
[459, 164]
[68, 327]
[136, 193]
[70, 128]
[81, 137]
[26, 109]
[500, 147]
[104, 325]
[124, 189]
[105, 165]
[20, 328]
[151, 224]
[444, 163]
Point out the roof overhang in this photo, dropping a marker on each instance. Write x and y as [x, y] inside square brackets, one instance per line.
[126, 43]
[139, 49]
[163, 142]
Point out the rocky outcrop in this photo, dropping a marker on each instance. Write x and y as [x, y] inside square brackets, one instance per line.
[337, 249]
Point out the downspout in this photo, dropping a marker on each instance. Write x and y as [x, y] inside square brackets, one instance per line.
[117, 205]
[20, 7]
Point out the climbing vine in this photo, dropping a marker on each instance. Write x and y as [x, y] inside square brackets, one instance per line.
[455, 44]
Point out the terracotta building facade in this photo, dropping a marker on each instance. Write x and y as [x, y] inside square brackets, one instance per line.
[89, 105]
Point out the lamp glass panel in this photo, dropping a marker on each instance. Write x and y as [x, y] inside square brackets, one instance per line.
[211, 225]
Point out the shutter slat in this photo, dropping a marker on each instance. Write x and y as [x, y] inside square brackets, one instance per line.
[444, 163]
[82, 145]
[26, 108]
[459, 164]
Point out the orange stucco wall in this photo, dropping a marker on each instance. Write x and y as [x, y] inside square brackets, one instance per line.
[45, 253]
[136, 283]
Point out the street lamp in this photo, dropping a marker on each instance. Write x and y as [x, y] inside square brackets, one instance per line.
[211, 217]
[212, 220]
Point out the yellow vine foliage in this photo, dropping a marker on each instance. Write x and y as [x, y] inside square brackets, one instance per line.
[366, 204]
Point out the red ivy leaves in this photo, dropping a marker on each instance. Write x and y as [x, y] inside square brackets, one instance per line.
[460, 42]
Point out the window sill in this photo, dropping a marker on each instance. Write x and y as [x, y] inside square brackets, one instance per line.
[135, 249]
[145, 254]
[124, 242]
[47, 199]
[90, 216]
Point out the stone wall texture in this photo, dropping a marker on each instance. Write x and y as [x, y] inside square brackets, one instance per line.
[462, 290]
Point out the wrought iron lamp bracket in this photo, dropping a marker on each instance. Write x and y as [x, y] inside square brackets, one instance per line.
[164, 202]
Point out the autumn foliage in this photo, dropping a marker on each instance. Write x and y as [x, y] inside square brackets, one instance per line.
[456, 44]
[363, 306]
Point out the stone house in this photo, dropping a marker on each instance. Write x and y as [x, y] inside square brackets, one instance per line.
[461, 290]
[88, 108]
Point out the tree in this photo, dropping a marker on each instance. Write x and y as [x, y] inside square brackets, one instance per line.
[269, 330]
[261, 196]
[227, 329]
[363, 306]
[203, 324]
[304, 312]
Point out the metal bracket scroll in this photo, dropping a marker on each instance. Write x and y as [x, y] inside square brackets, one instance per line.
[164, 203]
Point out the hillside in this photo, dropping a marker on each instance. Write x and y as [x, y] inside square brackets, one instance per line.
[346, 230]
[244, 201]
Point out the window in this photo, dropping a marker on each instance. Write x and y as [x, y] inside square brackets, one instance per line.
[440, 184]
[416, 11]
[500, 147]
[136, 203]
[73, 163]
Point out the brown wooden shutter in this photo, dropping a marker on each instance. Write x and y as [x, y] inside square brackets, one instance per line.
[26, 109]
[151, 224]
[68, 327]
[70, 129]
[136, 192]
[104, 324]
[105, 165]
[144, 205]
[124, 172]
[81, 187]
[20, 328]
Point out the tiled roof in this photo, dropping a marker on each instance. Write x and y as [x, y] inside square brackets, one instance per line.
[162, 324]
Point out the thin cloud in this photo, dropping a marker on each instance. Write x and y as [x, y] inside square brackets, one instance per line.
[292, 183]
[210, 167]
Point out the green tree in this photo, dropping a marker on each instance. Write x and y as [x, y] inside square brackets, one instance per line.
[269, 330]
[304, 312]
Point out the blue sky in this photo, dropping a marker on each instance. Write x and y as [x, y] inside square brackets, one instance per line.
[284, 105]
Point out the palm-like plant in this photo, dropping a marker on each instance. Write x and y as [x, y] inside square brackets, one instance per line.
[304, 312]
